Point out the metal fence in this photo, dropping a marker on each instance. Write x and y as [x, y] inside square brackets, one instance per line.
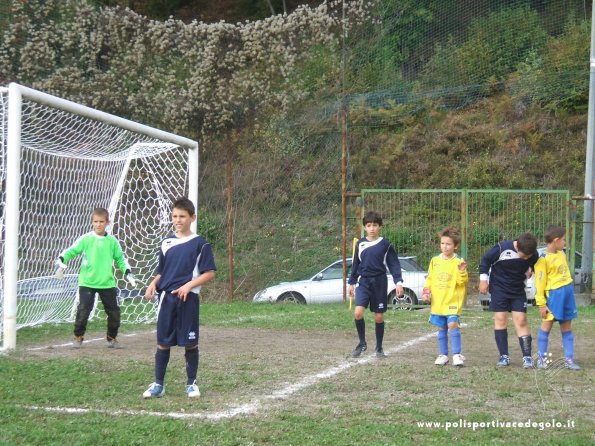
[413, 218]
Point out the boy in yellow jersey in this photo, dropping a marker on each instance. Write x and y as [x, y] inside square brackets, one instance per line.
[555, 296]
[446, 284]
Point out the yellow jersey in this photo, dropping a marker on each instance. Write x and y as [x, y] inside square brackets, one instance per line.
[447, 285]
[551, 272]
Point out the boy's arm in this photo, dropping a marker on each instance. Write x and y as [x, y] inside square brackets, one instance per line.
[540, 282]
[463, 274]
[202, 279]
[486, 263]
[123, 264]
[394, 266]
[69, 253]
[72, 251]
[354, 265]
[120, 258]
[152, 288]
[427, 290]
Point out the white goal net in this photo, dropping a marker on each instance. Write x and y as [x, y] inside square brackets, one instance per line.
[73, 159]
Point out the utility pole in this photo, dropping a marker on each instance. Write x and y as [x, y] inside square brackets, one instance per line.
[587, 251]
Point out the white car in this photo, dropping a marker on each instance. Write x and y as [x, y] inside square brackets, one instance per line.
[327, 286]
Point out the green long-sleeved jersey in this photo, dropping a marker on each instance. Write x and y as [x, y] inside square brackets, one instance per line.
[99, 253]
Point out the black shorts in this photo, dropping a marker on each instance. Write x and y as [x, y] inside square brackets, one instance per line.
[177, 321]
[372, 291]
[501, 303]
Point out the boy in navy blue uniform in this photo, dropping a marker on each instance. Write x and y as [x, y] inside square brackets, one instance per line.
[186, 263]
[503, 271]
[373, 255]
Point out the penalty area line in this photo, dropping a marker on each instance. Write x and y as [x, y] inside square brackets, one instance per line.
[255, 405]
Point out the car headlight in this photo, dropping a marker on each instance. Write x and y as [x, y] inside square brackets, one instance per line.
[261, 296]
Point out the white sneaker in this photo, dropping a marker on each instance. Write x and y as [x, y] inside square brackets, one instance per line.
[192, 390]
[441, 360]
[458, 360]
[154, 391]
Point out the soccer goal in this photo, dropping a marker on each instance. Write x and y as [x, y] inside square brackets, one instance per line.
[58, 161]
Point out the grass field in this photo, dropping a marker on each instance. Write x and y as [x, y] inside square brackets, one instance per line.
[280, 374]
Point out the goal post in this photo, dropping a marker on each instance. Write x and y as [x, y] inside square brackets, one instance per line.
[59, 160]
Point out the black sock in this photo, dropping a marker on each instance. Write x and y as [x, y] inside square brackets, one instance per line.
[161, 361]
[360, 325]
[525, 343]
[502, 341]
[191, 356]
[379, 335]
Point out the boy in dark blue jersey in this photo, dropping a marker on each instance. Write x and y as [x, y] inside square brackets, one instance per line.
[373, 255]
[186, 263]
[503, 271]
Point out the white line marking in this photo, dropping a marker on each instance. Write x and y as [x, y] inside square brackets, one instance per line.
[253, 406]
[86, 341]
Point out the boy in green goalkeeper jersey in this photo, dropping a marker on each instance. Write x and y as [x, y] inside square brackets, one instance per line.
[99, 250]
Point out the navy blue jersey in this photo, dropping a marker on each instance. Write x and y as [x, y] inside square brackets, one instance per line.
[505, 270]
[183, 259]
[373, 258]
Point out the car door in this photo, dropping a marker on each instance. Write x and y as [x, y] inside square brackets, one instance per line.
[327, 285]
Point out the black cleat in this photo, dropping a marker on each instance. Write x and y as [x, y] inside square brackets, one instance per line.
[357, 351]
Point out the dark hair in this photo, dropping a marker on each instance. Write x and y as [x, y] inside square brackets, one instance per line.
[372, 217]
[527, 243]
[452, 233]
[553, 232]
[100, 211]
[185, 204]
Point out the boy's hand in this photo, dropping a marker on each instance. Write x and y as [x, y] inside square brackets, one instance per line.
[60, 267]
[131, 279]
[350, 289]
[151, 290]
[483, 286]
[543, 311]
[399, 290]
[462, 266]
[425, 297]
[182, 292]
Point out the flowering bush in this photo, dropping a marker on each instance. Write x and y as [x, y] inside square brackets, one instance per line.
[199, 79]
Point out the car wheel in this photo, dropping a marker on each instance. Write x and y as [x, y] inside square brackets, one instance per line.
[407, 302]
[291, 298]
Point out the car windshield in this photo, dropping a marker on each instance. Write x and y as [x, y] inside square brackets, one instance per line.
[409, 264]
[335, 271]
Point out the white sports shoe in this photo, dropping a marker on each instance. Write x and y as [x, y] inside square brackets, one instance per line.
[458, 360]
[154, 391]
[192, 390]
[441, 360]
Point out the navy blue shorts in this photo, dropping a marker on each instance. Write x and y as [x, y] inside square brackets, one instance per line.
[499, 303]
[177, 321]
[372, 291]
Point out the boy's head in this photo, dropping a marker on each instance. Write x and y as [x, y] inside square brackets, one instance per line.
[99, 220]
[372, 217]
[452, 233]
[183, 215]
[185, 204]
[553, 232]
[527, 245]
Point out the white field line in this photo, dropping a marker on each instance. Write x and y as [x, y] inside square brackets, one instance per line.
[86, 341]
[253, 406]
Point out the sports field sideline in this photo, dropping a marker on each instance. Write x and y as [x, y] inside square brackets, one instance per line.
[281, 374]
